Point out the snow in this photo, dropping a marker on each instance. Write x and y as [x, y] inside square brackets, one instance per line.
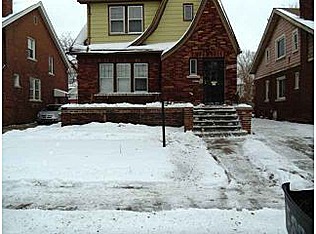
[117, 178]
[125, 104]
[307, 23]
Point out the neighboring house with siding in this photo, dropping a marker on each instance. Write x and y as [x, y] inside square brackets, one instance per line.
[284, 66]
[175, 50]
[34, 66]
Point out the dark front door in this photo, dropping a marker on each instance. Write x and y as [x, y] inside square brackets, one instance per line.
[213, 81]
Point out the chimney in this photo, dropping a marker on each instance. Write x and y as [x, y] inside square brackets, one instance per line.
[6, 7]
[307, 9]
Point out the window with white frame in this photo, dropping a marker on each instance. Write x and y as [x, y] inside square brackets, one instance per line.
[16, 81]
[141, 77]
[135, 19]
[295, 40]
[106, 75]
[193, 66]
[187, 12]
[280, 47]
[31, 48]
[267, 53]
[126, 19]
[267, 91]
[35, 89]
[117, 19]
[123, 73]
[281, 88]
[51, 65]
[296, 80]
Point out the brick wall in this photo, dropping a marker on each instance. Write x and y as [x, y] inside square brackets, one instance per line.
[209, 40]
[245, 117]
[6, 7]
[175, 117]
[307, 9]
[17, 109]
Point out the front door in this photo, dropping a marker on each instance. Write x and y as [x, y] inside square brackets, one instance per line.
[213, 81]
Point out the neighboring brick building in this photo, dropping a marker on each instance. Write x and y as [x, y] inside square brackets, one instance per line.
[176, 50]
[284, 66]
[34, 69]
[6, 7]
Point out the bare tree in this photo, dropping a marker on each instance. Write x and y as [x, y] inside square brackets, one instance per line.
[244, 78]
[66, 41]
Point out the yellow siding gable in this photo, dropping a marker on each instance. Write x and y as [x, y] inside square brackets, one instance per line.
[172, 26]
[99, 22]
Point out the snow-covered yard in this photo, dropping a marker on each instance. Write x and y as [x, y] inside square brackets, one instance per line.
[117, 178]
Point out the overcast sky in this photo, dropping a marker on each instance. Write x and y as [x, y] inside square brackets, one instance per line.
[247, 17]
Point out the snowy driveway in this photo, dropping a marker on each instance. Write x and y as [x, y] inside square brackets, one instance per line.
[100, 173]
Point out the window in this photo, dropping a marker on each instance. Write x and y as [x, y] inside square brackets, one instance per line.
[141, 77]
[193, 66]
[281, 88]
[30, 48]
[126, 19]
[267, 55]
[123, 72]
[267, 91]
[296, 80]
[51, 65]
[280, 47]
[187, 12]
[35, 89]
[106, 74]
[16, 81]
[295, 40]
[135, 19]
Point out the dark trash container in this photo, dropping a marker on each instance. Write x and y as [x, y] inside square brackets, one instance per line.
[299, 210]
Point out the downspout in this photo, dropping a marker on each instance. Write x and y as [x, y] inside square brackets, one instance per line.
[89, 24]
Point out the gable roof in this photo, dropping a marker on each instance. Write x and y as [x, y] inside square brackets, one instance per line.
[289, 14]
[9, 20]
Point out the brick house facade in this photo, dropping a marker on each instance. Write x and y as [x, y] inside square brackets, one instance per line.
[34, 66]
[284, 67]
[198, 67]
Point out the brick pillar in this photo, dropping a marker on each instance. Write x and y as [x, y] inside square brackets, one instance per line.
[245, 115]
[188, 118]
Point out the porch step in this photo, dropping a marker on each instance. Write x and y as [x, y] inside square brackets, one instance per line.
[216, 121]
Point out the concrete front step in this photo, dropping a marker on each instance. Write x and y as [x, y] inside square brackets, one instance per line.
[211, 122]
[206, 135]
[216, 128]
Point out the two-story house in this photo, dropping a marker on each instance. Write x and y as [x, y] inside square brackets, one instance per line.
[145, 51]
[284, 65]
[34, 66]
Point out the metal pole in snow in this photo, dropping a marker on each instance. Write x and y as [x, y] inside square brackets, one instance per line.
[163, 124]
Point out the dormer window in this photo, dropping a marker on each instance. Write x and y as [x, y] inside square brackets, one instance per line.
[126, 19]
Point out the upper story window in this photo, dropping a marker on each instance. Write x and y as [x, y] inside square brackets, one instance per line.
[295, 40]
[30, 48]
[51, 65]
[267, 56]
[126, 19]
[280, 47]
[187, 12]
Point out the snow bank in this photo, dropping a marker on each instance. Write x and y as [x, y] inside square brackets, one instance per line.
[129, 105]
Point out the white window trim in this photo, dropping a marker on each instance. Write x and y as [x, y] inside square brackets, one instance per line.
[295, 32]
[276, 47]
[118, 78]
[135, 64]
[267, 90]
[51, 67]
[112, 78]
[33, 49]
[32, 82]
[141, 19]
[278, 98]
[191, 74]
[110, 20]
[297, 80]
